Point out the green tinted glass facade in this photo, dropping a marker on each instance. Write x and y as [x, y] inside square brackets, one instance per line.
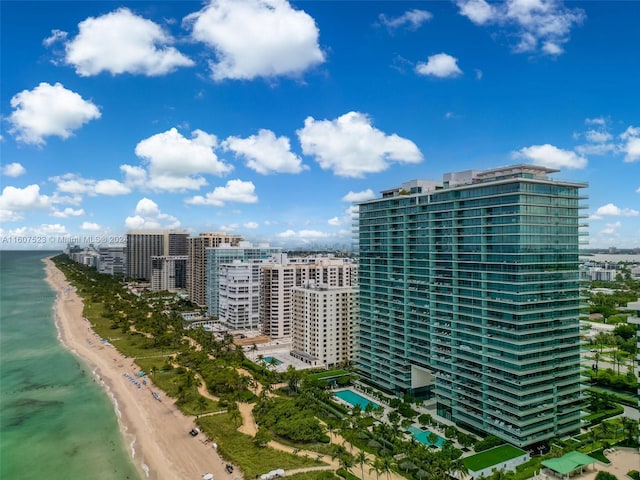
[471, 293]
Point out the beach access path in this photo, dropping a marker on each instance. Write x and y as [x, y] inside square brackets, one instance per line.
[155, 432]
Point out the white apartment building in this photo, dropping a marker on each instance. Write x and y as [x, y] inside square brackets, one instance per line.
[280, 274]
[322, 324]
[239, 294]
[112, 260]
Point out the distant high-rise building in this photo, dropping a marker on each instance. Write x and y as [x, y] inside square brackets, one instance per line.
[322, 324]
[112, 260]
[144, 244]
[239, 294]
[197, 264]
[168, 273]
[282, 273]
[216, 256]
[469, 291]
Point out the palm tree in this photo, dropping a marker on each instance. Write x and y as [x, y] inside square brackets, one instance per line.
[630, 428]
[605, 429]
[457, 466]
[376, 466]
[346, 461]
[593, 436]
[361, 459]
[236, 416]
[387, 465]
[201, 404]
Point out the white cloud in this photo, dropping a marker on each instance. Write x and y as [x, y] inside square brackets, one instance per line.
[48, 110]
[537, 25]
[52, 229]
[479, 74]
[611, 210]
[361, 196]
[351, 147]
[610, 228]
[478, 11]
[335, 221]
[440, 65]
[111, 187]
[147, 215]
[251, 225]
[134, 176]
[412, 19]
[14, 201]
[631, 146]
[549, 156]
[67, 212]
[75, 184]
[13, 170]
[597, 136]
[287, 234]
[595, 121]
[256, 38]
[235, 191]
[265, 153]
[230, 227]
[90, 226]
[175, 162]
[305, 236]
[596, 148]
[56, 36]
[121, 42]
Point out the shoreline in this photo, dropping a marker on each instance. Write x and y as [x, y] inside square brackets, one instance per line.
[155, 433]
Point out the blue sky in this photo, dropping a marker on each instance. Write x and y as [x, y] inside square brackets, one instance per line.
[268, 118]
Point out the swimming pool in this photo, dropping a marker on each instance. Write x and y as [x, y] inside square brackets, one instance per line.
[422, 435]
[272, 360]
[354, 398]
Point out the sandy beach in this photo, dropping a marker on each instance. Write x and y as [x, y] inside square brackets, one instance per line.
[155, 432]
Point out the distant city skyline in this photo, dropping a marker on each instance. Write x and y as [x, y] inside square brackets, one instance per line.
[268, 119]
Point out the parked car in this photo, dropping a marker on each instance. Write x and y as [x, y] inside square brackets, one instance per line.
[194, 432]
[229, 468]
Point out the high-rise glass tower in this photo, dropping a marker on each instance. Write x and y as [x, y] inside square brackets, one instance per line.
[469, 293]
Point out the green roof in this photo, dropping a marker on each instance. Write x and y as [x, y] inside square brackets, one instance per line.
[569, 462]
[491, 457]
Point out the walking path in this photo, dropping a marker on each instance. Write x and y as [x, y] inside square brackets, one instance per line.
[249, 427]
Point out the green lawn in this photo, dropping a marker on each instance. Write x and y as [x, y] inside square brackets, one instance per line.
[491, 457]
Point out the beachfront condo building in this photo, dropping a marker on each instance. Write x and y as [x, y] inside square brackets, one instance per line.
[470, 295]
[225, 253]
[197, 263]
[239, 295]
[112, 260]
[168, 273]
[144, 244]
[322, 324]
[282, 273]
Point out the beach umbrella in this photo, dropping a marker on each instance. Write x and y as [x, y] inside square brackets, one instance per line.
[207, 476]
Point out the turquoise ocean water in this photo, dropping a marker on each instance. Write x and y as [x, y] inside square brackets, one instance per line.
[55, 421]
